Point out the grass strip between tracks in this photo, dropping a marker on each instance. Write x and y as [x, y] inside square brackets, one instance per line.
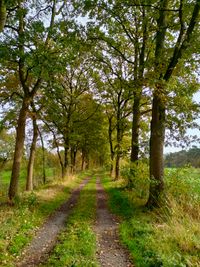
[77, 245]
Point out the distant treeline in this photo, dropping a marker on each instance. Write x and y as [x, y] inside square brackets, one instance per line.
[183, 158]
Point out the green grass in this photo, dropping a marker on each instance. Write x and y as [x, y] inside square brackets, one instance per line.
[168, 236]
[5, 180]
[77, 245]
[19, 223]
[5, 176]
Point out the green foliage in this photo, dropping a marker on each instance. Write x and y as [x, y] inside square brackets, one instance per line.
[77, 245]
[136, 177]
[183, 158]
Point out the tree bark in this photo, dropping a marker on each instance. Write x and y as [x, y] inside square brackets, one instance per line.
[74, 162]
[111, 165]
[29, 179]
[87, 161]
[156, 151]
[119, 139]
[83, 161]
[73, 158]
[3, 14]
[66, 162]
[112, 153]
[135, 129]
[158, 115]
[43, 157]
[19, 146]
[57, 149]
[117, 165]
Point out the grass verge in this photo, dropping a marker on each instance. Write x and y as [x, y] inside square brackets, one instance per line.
[77, 245]
[19, 223]
[169, 236]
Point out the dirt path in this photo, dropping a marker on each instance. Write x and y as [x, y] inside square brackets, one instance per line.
[109, 252]
[44, 241]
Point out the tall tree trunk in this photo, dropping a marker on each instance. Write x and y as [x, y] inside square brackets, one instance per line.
[156, 151]
[135, 129]
[117, 166]
[74, 162]
[112, 153]
[73, 158]
[60, 158]
[43, 157]
[58, 151]
[29, 179]
[3, 14]
[119, 139]
[158, 115]
[19, 146]
[66, 162]
[135, 137]
[111, 164]
[83, 160]
[87, 161]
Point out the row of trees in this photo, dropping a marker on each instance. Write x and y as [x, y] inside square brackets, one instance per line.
[95, 73]
[183, 158]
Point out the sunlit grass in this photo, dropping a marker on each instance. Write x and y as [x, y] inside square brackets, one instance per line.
[5, 177]
[19, 223]
[168, 236]
[77, 245]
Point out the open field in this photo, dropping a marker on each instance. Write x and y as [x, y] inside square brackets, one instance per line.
[5, 180]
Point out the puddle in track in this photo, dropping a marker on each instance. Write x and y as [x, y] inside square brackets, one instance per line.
[46, 237]
[109, 250]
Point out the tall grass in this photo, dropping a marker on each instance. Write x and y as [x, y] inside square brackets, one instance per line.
[19, 222]
[167, 236]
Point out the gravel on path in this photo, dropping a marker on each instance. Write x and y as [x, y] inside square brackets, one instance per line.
[46, 237]
[110, 252]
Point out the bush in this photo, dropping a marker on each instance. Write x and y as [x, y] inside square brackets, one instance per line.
[136, 176]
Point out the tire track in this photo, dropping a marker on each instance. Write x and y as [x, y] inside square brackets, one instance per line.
[42, 244]
[109, 252]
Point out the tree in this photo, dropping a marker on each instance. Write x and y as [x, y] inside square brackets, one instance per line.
[64, 93]
[30, 60]
[89, 131]
[164, 72]
[159, 39]
[117, 95]
[29, 179]
[111, 128]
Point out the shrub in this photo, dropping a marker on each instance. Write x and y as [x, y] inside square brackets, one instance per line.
[136, 176]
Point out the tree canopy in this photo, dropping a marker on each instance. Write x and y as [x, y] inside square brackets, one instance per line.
[101, 77]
